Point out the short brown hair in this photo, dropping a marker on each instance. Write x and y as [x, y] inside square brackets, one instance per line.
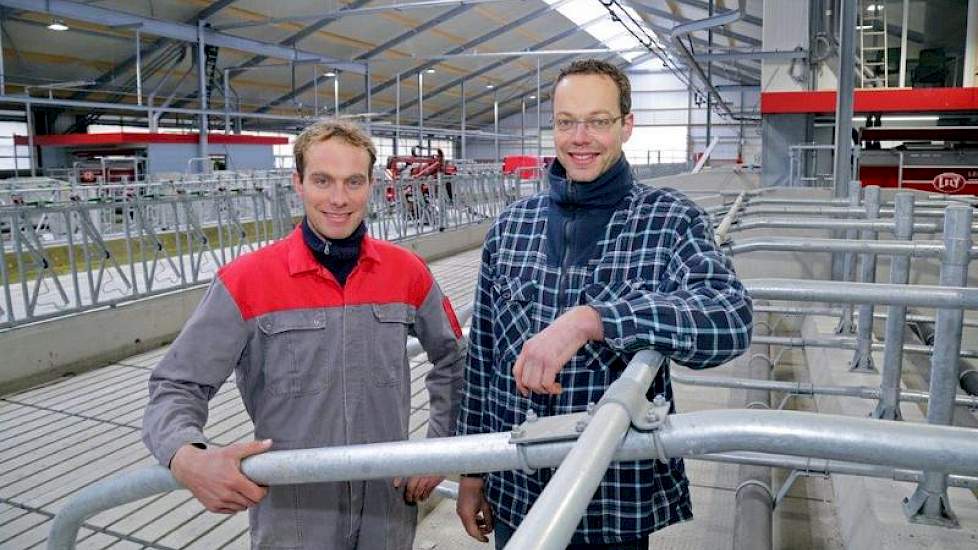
[595, 66]
[326, 129]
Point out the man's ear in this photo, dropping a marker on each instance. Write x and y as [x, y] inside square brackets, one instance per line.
[627, 125]
[297, 183]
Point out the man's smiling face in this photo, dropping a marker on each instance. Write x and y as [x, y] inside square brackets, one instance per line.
[588, 153]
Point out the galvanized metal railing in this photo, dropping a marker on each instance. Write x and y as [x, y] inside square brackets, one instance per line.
[631, 428]
[68, 249]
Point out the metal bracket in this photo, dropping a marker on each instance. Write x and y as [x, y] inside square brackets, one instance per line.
[913, 507]
[862, 362]
[550, 428]
[652, 416]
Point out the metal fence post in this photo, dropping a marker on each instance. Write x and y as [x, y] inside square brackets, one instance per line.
[888, 407]
[846, 324]
[862, 359]
[929, 503]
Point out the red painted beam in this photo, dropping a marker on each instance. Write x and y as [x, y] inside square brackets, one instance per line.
[68, 140]
[902, 100]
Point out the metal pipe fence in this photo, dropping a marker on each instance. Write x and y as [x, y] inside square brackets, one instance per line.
[823, 437]
[68, 248]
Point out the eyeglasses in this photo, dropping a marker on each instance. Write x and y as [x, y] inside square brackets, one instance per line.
[597, 125]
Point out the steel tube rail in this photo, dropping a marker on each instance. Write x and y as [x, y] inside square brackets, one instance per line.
[929, 503]
[841, 211]
[843, 154]
[754, 497]
[799, 388]
[552, 519]
[862, 359]
[830, 437]
[821, 223]
[826, 467]
[841, 202]
[862, 293]
[888, 407]
[847, 342]
[847, 262]
[915, 249]
[720, 235]
[833, 311]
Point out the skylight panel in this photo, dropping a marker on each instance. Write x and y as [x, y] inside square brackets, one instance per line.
[611, 33]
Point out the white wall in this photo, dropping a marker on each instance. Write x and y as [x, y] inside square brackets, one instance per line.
[785, 28]
[660, 104]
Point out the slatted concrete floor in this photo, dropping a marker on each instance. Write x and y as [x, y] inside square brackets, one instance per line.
[58, 438]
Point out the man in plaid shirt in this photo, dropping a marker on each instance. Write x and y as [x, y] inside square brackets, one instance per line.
[573, 282]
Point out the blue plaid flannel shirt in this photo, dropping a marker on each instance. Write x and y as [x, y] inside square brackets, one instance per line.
[658, 281]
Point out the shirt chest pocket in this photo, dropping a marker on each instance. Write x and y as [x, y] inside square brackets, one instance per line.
[296, 352]
[516, 314]
[388, 338]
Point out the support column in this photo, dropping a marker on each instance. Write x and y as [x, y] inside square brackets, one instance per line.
[904, 33]
[495, 123]
[689, 122]
[397, 111]
[523, 126]
[461, 87]
[929, 503]
[139, 71]
[369, 100]
[539, 125]
[971, 46]
[31, 152]
[848, 262]
[888, 407]
[227, 103]
[336, 94]
[202, 87]
[420, 108]
[3, 74]
[843, 104]
[862, 359]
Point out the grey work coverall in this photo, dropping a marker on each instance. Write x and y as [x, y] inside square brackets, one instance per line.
[316, 365]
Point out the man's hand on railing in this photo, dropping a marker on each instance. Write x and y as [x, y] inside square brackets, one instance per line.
[418, 488]
[546, 353]
[473, 509]
[214, 475]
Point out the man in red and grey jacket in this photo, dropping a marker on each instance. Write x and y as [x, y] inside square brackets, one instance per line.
[314, 328]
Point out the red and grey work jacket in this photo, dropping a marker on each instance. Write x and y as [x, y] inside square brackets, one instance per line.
[317, 364]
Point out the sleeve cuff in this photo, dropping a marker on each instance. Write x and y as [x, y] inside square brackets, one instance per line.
[170, 447]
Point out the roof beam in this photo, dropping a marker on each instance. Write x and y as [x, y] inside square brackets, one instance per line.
[155, 46]
[346, 12]
[722, 31]
[700, 4]
[545, 87]
[494, 33]
[176, 31]
[434, 21]
[495, 65]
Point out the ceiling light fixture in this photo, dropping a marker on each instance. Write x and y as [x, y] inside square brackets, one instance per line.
[330, 74]
[430, 71]
[490, 86]
[58, 25]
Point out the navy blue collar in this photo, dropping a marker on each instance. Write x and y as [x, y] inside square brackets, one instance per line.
[604, 192]
[338, 249]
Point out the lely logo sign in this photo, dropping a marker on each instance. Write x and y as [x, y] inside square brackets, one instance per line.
[948, 182]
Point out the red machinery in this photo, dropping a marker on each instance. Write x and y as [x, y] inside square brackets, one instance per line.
[418, 165]
[941, 159]
[406, 171]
